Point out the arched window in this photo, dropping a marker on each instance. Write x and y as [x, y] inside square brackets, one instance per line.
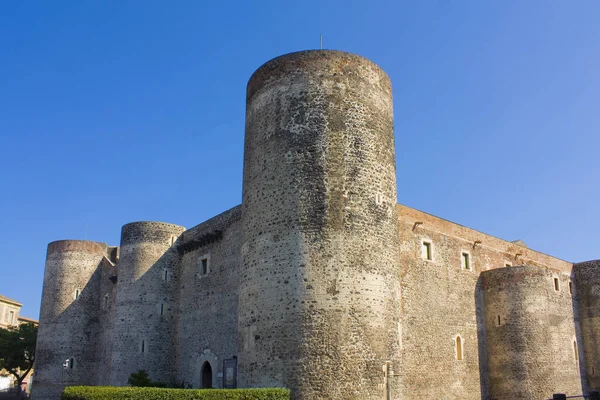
[459, 350]
[206, 375]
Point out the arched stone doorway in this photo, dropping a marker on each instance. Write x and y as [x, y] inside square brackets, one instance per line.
[206, 375]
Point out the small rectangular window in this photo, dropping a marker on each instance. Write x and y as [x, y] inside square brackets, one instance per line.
[166, 275]
[498, 320]
[105, 305]
[204, 266]
[426, 251]
[76, 295]
[162, 309]
[556, 285]
[11, 317]
[466, 261]
[71, 362]
[570, 287]
[508, 265]
[143, 346]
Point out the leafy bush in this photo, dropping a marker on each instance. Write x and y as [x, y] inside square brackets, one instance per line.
[140, 379]
[145, 393]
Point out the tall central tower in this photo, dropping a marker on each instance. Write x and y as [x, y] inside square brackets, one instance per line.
[319, 298]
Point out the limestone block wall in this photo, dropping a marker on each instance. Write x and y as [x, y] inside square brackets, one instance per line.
[586, 287]
[145, 320]
[319, 295]
[69, 318]
[207, 325]
[530, 331]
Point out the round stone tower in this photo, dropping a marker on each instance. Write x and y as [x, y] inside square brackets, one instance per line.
[145, 302]
[586, 287]
[318, 303]
[529, 333]
[69, 317]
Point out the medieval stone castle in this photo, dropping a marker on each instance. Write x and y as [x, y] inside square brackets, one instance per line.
[319, 281]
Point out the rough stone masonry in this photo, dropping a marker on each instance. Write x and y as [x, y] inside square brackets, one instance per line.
[319, 281]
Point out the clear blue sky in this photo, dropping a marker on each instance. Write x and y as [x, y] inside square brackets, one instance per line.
[113, 112]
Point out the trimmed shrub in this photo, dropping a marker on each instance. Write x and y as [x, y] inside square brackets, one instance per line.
[145, 393]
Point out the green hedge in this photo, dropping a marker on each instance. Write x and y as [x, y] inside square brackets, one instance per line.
[144, 393]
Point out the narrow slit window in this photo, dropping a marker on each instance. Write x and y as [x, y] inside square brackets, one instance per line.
[166, 275]
[459, 350]
[466, 260]
[162, 309]
[575, 352]
[498, 320]
[71, 362]
[570, 287]
[11, 317]
[77, 293]
[204, 266]
[426, 251]
[105, 301]
[556, 285]
[143, 346]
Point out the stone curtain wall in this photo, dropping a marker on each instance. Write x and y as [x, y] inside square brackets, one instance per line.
[439, 303]
[106, 315]
[441, 300]
[207, 328]
[319, 292]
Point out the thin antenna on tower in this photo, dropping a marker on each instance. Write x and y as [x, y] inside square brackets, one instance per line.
[321, 40]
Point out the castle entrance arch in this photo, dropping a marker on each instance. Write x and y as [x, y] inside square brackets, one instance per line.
[206, 370]
[206, 375]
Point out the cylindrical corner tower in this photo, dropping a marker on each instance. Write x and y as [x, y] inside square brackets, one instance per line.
[145, 304]
[529, 333]
[586, 288]
[319, 296]
[65, 353]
